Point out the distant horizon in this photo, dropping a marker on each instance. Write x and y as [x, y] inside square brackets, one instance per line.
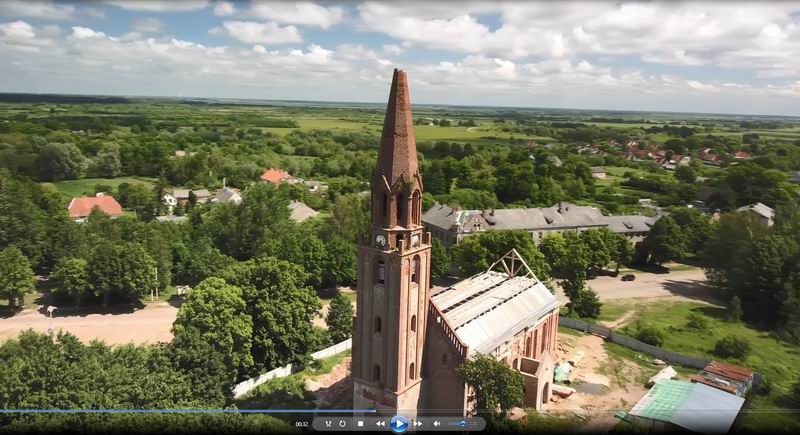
[379, 104]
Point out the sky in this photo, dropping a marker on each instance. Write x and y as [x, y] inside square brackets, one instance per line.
[718, 57]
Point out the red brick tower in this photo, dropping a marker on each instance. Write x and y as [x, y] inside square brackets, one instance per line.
[393, 272]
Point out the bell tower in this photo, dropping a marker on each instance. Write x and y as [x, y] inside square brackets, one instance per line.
[393, 272]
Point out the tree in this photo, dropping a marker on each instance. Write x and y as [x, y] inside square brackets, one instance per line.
[495, 383]
[16, 276]
[554, 249]
[732, 346]
[476, 253]
[589, 304]
[71, 279]
[341, 267]
[440, 259]
[735, 310]
[121, 271]
[350, 217]
[217, 311]
[107, 162]
[694, 225]
[340, 318]
[282, 308]
[685, 174]
[665, 241]
[649, 334]
[60, 161]
[599, 253]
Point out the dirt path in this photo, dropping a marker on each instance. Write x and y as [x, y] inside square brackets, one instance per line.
[150, 324]
[613, 380]
[627, 317]
[687, 285]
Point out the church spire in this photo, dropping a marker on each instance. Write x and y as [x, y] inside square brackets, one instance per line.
[397, 156]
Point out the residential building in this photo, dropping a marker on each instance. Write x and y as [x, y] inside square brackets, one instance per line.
[202, 195]
[299, 212]
[764, 214]
[80, 208]
[598, 172]
[408, 339]
[277, 176]
[451, 225]
[226, 195]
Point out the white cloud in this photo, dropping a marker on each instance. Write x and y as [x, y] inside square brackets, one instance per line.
[148, 25]
[252, 32]
[224, 9]
[393, 49]
[694, 84]
[79, 32]
[17, 29]
[44, 9]
[159, 6]
[300, 13]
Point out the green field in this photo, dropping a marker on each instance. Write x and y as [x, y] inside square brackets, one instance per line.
[774, 359]
[85, 187]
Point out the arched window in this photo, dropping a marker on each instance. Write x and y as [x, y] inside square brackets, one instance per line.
[415, 204]
[400, 208]
[376, 373]
[528, 346]
[377, 324]
[414, 323]
[380, 272]
[412, 374]
[535, 342]
[544, 336]
[416, 271]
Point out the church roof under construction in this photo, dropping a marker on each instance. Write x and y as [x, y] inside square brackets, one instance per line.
[489, 308]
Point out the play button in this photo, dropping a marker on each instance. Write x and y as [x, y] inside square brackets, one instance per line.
[399, 424]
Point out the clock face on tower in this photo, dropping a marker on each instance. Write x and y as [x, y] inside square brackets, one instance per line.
[380, 240]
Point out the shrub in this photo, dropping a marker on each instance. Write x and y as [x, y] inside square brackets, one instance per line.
[650, 334]
[697, 322]
[732, 347]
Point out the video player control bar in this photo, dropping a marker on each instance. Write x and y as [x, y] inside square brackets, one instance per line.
[398, 424]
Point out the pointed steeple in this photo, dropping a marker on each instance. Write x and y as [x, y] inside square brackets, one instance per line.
[397, 156]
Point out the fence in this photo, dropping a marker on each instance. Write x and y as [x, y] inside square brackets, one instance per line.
[631, 343]
[249, 385]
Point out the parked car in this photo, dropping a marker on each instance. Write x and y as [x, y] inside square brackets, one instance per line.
[628, 277]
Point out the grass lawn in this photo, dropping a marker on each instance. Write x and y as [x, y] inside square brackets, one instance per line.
[85, 187]
[776, 360]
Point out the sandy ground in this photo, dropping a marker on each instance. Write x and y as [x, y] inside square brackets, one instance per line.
[150, 324]
[680, 285]
[619, 392]
[333, 390]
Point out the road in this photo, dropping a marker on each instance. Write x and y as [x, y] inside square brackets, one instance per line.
[679, 285]
[150, 324]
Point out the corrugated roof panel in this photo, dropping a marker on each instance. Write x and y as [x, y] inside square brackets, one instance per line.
[467, 288]
[708, 410]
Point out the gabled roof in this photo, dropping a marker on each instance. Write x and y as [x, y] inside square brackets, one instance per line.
[82, 207]
[489, 308]
[299, 212]
[275, 176]
[201, 193]
[759, 208]
[226, 194]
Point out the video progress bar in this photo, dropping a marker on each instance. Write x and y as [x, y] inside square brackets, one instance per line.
[398, 424]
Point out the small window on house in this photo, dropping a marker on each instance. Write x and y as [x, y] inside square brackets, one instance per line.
[377, 324]
[412, 372]
[413, 323]
[376, 373]
[381, 272]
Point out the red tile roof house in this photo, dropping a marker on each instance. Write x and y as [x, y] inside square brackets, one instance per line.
[277, 176]
[81, 208]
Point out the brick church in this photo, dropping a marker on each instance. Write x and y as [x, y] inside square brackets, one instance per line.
[409, 340]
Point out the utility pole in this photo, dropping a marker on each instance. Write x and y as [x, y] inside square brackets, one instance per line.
[50, 309]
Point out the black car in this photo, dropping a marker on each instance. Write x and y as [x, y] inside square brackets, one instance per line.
[628, 277]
